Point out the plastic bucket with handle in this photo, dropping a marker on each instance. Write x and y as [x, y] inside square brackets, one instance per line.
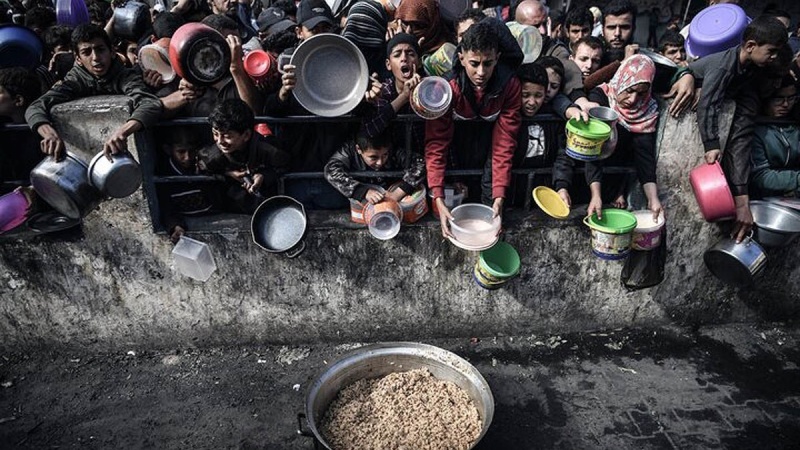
[496, 266]
[611, 235]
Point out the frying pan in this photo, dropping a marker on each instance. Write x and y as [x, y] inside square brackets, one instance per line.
[279, 224]
[332, 75]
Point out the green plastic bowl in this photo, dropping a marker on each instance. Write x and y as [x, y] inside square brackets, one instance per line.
[500, 261]
[593, 129]
[614, 221]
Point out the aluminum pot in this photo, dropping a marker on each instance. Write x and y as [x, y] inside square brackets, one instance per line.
[665, 70]
[610, 118]
[65, 186]
[117, 178]
[50, 222]
[131, 21]
[279, 225]
[378, 360]
[736, 264]
[776, 226]
[712, 192]
[199, 54]
[19, 47]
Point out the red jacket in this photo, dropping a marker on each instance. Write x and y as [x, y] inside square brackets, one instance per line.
[502, 106]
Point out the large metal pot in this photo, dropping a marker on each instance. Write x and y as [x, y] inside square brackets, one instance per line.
[131, 21]
[776, 226]
[118, 178]
[65, 186]
[377, 360]
[199, 54]
[736, 264]
[278, 226]
[610, 118]
[665, 70]
[19, 47]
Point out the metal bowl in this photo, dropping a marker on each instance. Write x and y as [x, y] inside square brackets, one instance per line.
[377, 360]
[117, 178]
[776, 225]
[332, 75]
[65, 186]
[735, 264]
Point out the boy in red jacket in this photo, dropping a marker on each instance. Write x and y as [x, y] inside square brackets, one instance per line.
[482, 89]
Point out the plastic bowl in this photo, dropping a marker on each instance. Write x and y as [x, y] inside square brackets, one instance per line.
[550, 202]
[19, 47]
[473, 224]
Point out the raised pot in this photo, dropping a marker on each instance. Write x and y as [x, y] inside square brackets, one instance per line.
[279, 225]
[609, 117]
[776, 226]
[117, 178]
[715, 29]
[712, 193]
[131, 20]
[431, 98]
[65, 186]
[585, 139]
[19, 47]
[199, 54]
[611, 235]
[260, 65]
[383, 219]
[377, 360]
[647, 234]
[735, 264]
[155, 57]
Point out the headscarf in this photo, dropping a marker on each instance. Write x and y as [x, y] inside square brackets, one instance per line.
[642, 117]
[424, 13]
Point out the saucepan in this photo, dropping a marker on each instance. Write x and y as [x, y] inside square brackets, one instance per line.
[279, 225]
[736, 264]
[332, 75]
[199, 54]
[131, 21]
[65, 185]
[118, 177]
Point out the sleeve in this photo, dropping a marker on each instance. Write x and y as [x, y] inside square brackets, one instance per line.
[561, 103]
[414, 167]
[337, 172]
[273, 106]
[504, 138]
[563, 169]
[644, 156]
[38, 113]
[147, 107]
[602, 75]
[708, 107]
[573, 80]
[765, 178]
[438, 136]
[211, 161]
[598, 96]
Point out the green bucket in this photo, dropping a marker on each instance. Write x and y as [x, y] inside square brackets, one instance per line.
[593, 129]
[614, 221]
[500, 262]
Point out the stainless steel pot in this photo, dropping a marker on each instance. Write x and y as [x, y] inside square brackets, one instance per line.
[65, 186]
[279, 224]
[665, 70]
[736, 264]
[776, 225]
[117, 178]
[131, 21]
[610, 118]
[377, 360]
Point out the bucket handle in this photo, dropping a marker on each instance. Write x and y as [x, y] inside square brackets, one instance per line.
[295, 251]
[301, 430]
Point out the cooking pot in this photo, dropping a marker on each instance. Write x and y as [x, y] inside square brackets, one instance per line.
[199, 54]
[132, 20]
[378, 360]
[712, 192]
[431, 98]
[332, 75]
[71, 13]
[19, 47]
[451, 9]
[117, 178]
[155, 57]
[279, 224]
[776, 226]
[50, 222]
[715, 29]
[665, 70]
[610, 118]
[735, 264]
[65, 186]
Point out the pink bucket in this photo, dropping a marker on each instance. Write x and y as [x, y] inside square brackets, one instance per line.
[13, 210]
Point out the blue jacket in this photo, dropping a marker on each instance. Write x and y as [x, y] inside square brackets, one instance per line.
[775, 159]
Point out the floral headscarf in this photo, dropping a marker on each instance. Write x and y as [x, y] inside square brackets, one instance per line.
[642, 117]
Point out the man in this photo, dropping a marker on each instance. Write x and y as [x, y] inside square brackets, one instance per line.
[272, 21]
[533, 13]
[619, 25]
[578, 25]
[465, 20]
[588, 55]
[313, 17]
[240, 12]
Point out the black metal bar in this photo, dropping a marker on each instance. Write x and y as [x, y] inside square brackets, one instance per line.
[542, 118]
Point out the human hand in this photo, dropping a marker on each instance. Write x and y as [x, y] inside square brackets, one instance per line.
[595, 207]
[744, 218]
[655, 207]
[255, 185]
[116, 143]
[444, 217]
[374, 196]
[152, 78]
[620, 202]
[683, 92]
[574, 112]
[237, 54]
[564, 194]
[712, 156]
[411, 83]
[51, 143]
[288, 82]
[373, 90]
[177, 232]
[631, 49]
[189, 92]
[392, 28]
[396, 194]
[585, 104]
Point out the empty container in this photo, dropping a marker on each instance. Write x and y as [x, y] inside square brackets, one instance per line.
[194, 259]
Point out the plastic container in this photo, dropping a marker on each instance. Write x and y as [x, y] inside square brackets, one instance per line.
[715, 29]
[415, 205]
[550, 202]
[14, 208]
[712, 193]
[585, 139]
[357, 207]
[453, 196]
[496, 266]
[193, 259]
[156, 57]
[529, 40]
[383, 219]
[260, 65]
[473, 225]
[71, 12]
[647, 234]
[431, 98]
[611, 235]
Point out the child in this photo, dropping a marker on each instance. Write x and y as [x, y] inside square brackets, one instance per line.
[250, 164]
[671, 46]
[531, 141]
[96, 72]
[373, 153]
[738, 74]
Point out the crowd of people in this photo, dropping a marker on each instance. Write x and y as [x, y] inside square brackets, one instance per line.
[588, 58]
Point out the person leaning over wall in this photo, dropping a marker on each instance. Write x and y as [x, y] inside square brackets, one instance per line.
[96, 72]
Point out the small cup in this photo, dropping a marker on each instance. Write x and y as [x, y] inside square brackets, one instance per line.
[284, 59]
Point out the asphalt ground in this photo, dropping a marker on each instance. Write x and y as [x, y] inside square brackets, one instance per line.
[731, 386]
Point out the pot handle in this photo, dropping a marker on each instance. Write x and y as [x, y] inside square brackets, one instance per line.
[301, 419]
[295, 251]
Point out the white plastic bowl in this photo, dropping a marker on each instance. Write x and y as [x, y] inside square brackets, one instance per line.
[473, 224]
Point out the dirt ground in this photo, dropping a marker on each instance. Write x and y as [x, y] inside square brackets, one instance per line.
[735, 386]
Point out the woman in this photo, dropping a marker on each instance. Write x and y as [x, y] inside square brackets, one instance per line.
[421, 18]
[776, 146]
[629, 95]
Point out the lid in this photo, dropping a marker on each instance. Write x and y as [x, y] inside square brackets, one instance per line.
[435, 93]
[155, 57]
[594, 128]
[550, 202]
[614, 221]
[257, 63]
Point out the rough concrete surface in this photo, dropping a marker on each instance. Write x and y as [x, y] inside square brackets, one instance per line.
[731, 386]
[114, 283]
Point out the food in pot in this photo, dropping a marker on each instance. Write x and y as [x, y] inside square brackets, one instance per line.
[403, 410]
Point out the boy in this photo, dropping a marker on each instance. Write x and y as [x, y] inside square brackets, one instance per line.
[487, 89]
[250, 164]
[588, 54]
[531, 140]
[18, 88]
[671, 46]
[739, 74]
[96, 72]
[373, 153]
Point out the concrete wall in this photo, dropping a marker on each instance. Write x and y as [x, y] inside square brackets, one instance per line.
[115, 285]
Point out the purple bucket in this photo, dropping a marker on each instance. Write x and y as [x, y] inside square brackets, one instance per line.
[13, 210]
[715, 29]
[71, 12]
